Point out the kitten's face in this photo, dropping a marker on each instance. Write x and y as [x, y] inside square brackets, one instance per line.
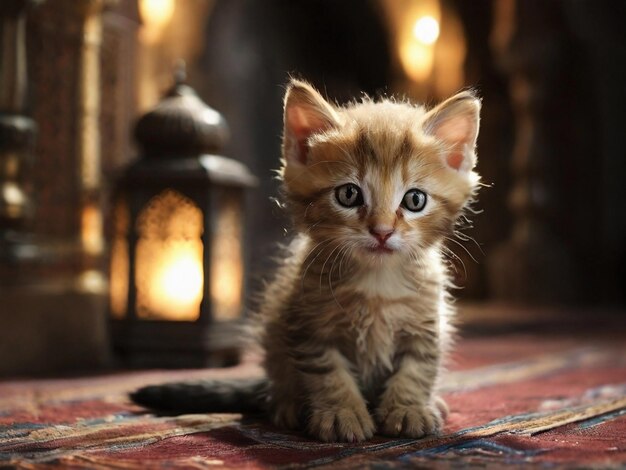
[371, 180]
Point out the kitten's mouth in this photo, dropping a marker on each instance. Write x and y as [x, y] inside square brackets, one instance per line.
[383, 249]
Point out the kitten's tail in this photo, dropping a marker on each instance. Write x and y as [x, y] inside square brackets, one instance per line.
[205, 396]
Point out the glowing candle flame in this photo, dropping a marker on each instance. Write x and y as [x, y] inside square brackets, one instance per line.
[179, 282]
[169, 271]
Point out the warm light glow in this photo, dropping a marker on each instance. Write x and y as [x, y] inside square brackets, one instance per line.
[449, 64]
[91, 230]
[430, 41]
[92, 281]
[156, 13]
[417, 35]
[418, 60]
[169, 273]
[179, 282]
[226, 268]
[172, 280]
[118, 283]
[426, 30]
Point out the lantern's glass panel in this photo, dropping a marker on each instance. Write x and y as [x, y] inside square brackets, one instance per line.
[226, 262]
[91, 229]
[169, 277]
[119, 262]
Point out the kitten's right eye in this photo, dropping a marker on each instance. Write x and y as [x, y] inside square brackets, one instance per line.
[349, 195]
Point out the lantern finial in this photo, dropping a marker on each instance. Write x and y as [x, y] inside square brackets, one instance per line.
[181, 124]
[180, 72]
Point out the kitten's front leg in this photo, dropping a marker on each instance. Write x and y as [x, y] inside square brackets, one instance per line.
[337, 409]
[408, 407]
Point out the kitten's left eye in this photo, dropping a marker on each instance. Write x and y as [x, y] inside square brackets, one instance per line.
[414, 200]
[349, 195]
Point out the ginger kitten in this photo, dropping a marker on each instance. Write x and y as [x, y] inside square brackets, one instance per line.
[354, 326]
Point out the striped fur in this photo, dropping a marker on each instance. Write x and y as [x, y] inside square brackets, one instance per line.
[354, 338]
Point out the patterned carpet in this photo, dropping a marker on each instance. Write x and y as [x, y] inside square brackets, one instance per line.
[515, 400]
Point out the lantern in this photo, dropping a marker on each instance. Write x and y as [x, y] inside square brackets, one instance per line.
[177, 270]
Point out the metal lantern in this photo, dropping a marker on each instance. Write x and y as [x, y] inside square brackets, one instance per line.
[177, 270]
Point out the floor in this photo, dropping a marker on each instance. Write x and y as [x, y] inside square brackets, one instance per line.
[516, 398]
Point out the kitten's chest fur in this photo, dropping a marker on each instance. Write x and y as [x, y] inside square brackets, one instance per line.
[372, 339]
[367, 314]
[384, 306]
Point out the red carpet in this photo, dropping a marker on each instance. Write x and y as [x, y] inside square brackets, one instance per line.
[514, 399]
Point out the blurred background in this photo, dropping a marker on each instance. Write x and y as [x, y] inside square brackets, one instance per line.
[548, 237]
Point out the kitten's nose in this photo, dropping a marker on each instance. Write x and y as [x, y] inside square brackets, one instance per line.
[381, 233]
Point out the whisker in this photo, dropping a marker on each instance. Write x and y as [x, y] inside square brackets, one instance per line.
[330, 279]
[446, 236]
[447, 251]
[462, 246]
[309, 205]
[324, 265]
[312, 260]
[346, 253]
[464, 237]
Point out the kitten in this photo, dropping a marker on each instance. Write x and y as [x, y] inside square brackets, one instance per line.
[356, 323]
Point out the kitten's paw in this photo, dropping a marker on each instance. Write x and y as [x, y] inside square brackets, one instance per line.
[341, 424]
[441, 404]
[413, 421]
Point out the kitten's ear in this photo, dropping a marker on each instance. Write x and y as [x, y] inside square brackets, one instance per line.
[455, 122]
[306, 113]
